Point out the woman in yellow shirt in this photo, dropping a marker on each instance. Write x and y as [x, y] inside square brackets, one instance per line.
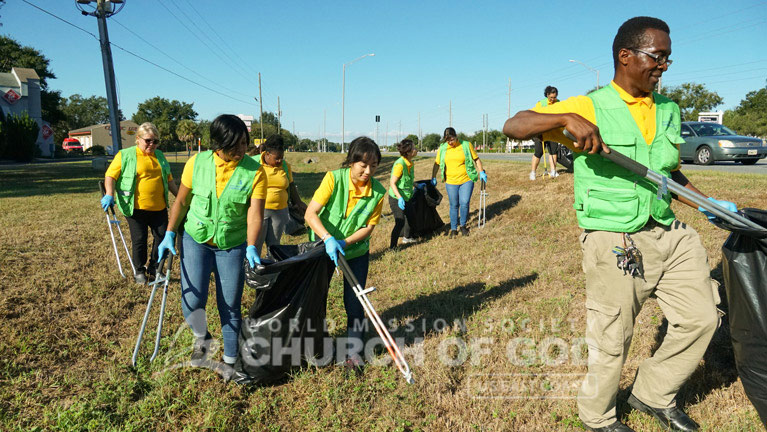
[401, 192]
[280, 187]
[141, 177]
[460, 167]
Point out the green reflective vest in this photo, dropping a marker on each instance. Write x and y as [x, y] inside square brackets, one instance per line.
[471, 170]
[126, 184]
[333, 215]
[611, 198]
[405, 182]
[223, 219]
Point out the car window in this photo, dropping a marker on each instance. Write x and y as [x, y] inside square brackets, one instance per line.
[686, 131]
[711, 129]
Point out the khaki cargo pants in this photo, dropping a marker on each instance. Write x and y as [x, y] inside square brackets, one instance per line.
[676, 272]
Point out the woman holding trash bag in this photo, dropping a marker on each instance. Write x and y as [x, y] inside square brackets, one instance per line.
[400, 192]
[460, 167]
[343, 212]
[280, 187]
[222, 194]
[140, 178]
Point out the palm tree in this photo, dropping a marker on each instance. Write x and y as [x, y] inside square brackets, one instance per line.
[187, 132]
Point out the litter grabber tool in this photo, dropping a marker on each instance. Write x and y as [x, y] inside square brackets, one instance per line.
[362, 294]
[162, 278]
[482, 213]
[115, 222]
[665, 184]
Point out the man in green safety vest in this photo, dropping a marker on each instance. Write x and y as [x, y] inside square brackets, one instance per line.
[624, 215]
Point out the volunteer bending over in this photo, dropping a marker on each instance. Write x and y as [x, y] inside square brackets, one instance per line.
[343, 213]
[401, 191]
[460, 167]
[140, 178]
[222, 195]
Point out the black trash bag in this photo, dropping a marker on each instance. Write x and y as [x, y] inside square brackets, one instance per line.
[425, 219]
[744, 263]
[295, 225]
[285, 326]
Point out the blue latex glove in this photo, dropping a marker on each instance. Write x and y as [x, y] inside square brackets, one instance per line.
[483, 176]
[107, 201]
[726, 204]
[433, 181]
[252, 255]
[167, 243]
[401, 203]
[333, 247]
[421, 186]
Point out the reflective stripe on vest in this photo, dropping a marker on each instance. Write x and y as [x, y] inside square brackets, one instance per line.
[125, 187]
[333, 215]
[405, 182]
[611, 198]
[222, 219]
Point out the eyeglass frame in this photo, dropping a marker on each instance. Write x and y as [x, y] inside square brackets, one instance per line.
[656, 57]
[151, 141]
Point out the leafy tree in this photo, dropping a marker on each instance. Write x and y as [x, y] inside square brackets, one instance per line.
[187, 132]
[159, 110]
[12, 54]
[431, 141]
[693, 98]
[203, 131]
[750, 117]
[413, 138]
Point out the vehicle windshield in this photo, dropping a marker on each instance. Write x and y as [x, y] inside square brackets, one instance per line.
[711, 129]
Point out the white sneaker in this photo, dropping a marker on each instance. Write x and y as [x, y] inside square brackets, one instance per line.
[554, 174]
[532, 175]
[406, 240]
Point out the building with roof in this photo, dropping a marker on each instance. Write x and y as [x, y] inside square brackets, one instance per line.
[101, 135]
[20, 93]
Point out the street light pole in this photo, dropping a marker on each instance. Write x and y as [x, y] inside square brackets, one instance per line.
[343, 96]
[589, 68]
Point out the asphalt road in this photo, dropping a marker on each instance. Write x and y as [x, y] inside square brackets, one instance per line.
[759, 168]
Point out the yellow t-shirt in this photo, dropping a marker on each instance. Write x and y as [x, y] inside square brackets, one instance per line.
[149, 194]
[277, 186]
[538, 104]
[397, 170]
[642, 110]
[455, 163]
[325, 191]
[224, 171]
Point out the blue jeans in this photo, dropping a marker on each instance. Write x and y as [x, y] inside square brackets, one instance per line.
[459, 197]
[197, 262]
[355, 314]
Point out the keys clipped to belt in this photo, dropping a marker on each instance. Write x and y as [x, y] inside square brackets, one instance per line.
[629, 257]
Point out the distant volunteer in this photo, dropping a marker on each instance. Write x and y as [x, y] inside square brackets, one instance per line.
[280, 189]
[222, 194]
[552, 147]
[139, 177]
[460, 167]
[401, 192]
[343, 212]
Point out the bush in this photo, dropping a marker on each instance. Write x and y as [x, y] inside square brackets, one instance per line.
[19, 138]
[96, 150]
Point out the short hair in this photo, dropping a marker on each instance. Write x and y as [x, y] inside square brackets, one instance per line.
[549, 90]
[449, 133]
[273, 143]
[226, 132]
[405, 146]
[631, 34]
[147, 127]
[362, 149]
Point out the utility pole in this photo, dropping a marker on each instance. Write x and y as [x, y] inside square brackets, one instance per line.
[261, 108]
[508, 116]
[420, 137]
[399, 135]
[484, 130]
[451, 113]
[324, 129]
[386, 137]
[378, 120]
[279, 114]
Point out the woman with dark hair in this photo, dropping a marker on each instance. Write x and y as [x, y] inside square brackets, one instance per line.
[552, 147]
[460, 168]
[280, 187]
[343, 212]
[222, 194]
[400, 192]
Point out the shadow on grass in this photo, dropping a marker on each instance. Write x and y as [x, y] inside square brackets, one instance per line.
[438, 312]
[497, 208]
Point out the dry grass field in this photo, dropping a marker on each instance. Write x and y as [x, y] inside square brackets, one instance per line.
[491, 323]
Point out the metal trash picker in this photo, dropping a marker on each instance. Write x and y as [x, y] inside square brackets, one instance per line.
[116, 222]
[482, 213]
[666, 184]
[163, 277]
[383, 332]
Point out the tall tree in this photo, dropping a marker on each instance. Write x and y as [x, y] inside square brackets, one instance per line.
[693, 98]
[414, 138]
[187, 132]
[160, 110]
[431, 141]
[750, 117]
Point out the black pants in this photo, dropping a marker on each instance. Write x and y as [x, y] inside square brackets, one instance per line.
[157, 221]
[401, 217]
[551, 146]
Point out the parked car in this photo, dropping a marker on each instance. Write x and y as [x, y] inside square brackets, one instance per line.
[705, 143]
[71, 145]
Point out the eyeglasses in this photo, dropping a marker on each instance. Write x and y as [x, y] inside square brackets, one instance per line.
[661, 59]
[151, 141]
